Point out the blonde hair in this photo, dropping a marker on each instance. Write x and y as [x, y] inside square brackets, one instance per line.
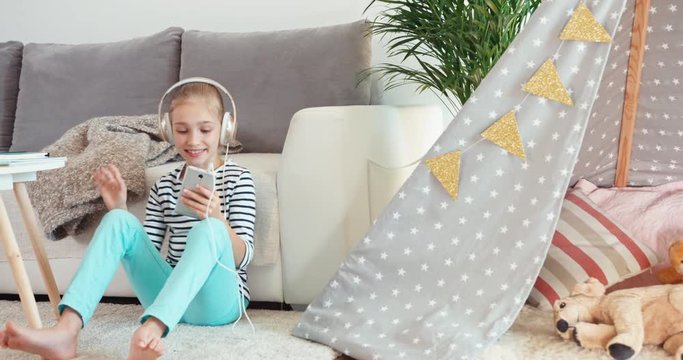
[199, 91]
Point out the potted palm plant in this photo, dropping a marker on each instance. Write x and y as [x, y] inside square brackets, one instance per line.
[453, 42]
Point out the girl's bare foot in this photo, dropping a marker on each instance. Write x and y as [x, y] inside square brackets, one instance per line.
[55, 343]
[3, 339]
[146, 341]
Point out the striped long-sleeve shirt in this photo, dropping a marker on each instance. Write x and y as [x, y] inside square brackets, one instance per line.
[235, 187]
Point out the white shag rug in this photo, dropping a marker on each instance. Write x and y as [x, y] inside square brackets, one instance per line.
[106, 337]
[108, 333]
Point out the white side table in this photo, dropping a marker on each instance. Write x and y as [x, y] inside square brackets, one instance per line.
[13, 177]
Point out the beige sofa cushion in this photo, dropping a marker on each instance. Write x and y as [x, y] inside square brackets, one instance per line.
[266, 235]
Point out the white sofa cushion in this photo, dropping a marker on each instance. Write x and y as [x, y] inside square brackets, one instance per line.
[265, 275]
[340, 167]
[266, 234]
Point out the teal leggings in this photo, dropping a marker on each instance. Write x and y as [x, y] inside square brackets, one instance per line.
[197, 291]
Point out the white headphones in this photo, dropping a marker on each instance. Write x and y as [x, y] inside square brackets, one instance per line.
[228, 123]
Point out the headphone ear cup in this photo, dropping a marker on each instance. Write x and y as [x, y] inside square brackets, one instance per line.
[167, 129]
[227, 128]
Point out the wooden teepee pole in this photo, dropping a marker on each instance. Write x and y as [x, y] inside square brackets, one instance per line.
[635, 67]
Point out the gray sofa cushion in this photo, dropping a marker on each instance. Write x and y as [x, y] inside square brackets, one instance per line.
[272, 75]
[10, 67]
[64, 85]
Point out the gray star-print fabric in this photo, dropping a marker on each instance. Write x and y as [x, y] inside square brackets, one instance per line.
[437, 278]
[657, 154]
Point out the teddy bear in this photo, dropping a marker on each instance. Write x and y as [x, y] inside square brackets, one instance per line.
[673, 274]
[622, 321]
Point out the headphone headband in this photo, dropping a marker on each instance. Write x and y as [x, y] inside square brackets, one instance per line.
[198, 79]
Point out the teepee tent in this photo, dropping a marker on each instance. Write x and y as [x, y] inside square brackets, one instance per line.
[585, 91]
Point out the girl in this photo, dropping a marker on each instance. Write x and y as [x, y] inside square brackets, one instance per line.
[189, 285]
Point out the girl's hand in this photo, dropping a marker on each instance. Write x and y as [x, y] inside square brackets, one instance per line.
[111, 186]
[197, 199]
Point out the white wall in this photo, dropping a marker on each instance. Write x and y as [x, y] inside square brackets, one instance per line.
[80, 21]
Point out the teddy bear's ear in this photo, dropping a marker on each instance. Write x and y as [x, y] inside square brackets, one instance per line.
[592, 287]
[676, 248]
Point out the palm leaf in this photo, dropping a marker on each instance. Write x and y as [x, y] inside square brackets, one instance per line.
[454, 42]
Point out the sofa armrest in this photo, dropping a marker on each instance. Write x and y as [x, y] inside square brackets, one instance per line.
[339, 167]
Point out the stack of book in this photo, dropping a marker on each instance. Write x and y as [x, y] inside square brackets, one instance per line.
[25, 158]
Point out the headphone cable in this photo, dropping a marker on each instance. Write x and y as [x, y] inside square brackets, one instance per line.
[242, 306]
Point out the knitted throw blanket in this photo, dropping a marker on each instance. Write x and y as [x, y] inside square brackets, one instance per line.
[66, 199]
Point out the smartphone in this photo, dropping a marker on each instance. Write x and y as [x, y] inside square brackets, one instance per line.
[194, 176]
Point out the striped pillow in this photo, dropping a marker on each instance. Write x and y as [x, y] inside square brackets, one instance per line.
[587, 244]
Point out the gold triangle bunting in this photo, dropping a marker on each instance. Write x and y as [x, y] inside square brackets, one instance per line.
[505, 134]
[546, 83]
[584, 27]
[446, 169]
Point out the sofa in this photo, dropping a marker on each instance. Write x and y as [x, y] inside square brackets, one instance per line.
[325, 158]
